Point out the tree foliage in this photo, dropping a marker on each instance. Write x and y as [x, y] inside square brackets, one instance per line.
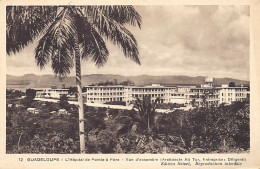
[231, 84]
[115, 82]
[223, 129]
[30, 93]
[65, 28]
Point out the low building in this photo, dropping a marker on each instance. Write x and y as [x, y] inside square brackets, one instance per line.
[50, 93]
[62, 111]
[33, 110]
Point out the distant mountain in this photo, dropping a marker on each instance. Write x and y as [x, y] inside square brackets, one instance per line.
[42, 81]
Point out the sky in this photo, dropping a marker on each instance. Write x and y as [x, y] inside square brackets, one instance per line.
[174, 40]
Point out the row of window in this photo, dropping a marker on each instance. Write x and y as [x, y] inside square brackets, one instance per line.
[106, 99]
[240, 99]
[107, 94]
[229, 99]
[204, 91]
[151, 95]
[146, 90]
[231, 94]
[239, 94]
[240, 90]
[106, 88]
[177, 94]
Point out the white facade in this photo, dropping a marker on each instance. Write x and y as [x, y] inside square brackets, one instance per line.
[231, 94]
[33, 110]
[50, 93]
[186, 95]
[62, 111]
[102, 94]
[181, 95]
[154, 91]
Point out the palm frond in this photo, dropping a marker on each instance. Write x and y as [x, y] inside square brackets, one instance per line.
[122, 14]
[93, 45]
[114, 31]
[24, 23]
[43, 51]
[63, 29]
[62, 62]
[57, 44]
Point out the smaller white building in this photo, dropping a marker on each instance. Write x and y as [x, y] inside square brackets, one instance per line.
[33, 110]
[62, 111]
[50, 93]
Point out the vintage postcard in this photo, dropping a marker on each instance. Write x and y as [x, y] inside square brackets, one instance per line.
[130, 84]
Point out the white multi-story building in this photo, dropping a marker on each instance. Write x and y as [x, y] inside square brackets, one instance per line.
[186, 95]
[181, 95]
[102, 94]
[206, 94]
[231, 94]
[154, 91]
[50, 93]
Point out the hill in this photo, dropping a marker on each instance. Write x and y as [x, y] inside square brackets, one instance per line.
[42, 81]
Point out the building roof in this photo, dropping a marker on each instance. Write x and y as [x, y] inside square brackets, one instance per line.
[48, 89]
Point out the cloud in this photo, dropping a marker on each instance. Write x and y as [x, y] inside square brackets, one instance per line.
[186, 40]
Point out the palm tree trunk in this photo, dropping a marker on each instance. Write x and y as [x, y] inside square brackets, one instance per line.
[80, 97]
[148, 121]
[18, 146]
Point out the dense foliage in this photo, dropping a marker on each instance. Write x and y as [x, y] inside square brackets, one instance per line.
[115, 82]
[223, 129]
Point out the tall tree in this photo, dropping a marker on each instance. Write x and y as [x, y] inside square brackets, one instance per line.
[146, 109]
[69, 34]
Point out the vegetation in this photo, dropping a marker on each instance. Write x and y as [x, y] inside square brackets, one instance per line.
[223, 129]
[30, 93]
[14, 94]
[116, 103]
[115, 82]
[170, 106]
[231, 84]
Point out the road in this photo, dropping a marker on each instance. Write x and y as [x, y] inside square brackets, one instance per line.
[120, 107]
[89, 104]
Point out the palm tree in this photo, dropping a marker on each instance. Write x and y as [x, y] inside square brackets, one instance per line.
[69, 34]
[146, 109]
